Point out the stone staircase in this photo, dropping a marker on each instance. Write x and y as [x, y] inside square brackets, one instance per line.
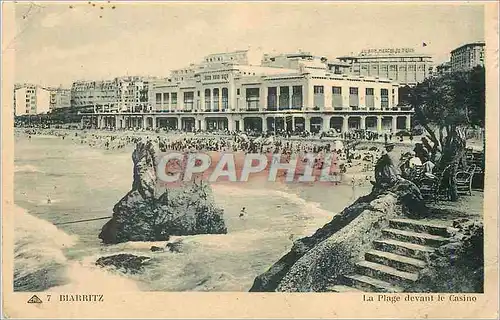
[396, 259]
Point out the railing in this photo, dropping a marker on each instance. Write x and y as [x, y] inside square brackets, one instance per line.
[252, 105]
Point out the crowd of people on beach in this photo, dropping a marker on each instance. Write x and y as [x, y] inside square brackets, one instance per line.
[354, 159]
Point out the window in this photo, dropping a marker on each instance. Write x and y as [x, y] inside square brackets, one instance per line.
[208, 78]
[252, 98]
[238, 91]
[337, 97]
[225, 98]
[318, 89]
[272, 98]
[207, 99]
[216, 77]
[369, 91]
[384, 98]
[411, 67]
[297, 97]
[224, 76]
[158, 98]
[353, 98]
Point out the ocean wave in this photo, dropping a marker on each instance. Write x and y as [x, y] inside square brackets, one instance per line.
[39, 261]
[86, 276]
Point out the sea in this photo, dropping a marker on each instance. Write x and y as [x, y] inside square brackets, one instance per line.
[85, 183]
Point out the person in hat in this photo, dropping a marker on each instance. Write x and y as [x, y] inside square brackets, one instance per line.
[387, 171]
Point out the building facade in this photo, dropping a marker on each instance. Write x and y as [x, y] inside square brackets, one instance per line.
[129, 93]
[30, 99]
[467, 56]
[443, 68]
[300, 94]
[59, 98]
[405, 65]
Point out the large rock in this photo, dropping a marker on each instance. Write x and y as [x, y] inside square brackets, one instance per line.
[150, 213]
[320, 260]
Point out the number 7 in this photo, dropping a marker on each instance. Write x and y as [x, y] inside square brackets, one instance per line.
[48, 297]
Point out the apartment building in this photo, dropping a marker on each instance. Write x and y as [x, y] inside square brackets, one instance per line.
[59, 98]
[468, 56]
[30, 99]
[403, 65]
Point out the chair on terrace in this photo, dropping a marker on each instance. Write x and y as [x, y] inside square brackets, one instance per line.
[464, 179]
[434, 186]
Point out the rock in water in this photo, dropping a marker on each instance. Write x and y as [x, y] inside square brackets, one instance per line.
[147, 214]
[124, 262]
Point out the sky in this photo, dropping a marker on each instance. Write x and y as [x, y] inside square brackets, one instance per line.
[58, 43]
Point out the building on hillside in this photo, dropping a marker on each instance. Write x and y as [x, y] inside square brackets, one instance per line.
[300, 94]
[443, 68]
[30, 99]
[404, 65]
[468, 56]
[59, 98]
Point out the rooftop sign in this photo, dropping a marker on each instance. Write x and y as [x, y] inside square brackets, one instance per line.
[372, 52]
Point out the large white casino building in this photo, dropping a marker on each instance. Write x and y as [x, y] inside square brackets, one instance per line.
[296, 91]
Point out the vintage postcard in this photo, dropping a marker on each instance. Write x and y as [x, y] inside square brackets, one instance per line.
[249, 159]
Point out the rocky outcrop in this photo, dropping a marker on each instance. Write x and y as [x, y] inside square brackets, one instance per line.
[124, 262]
[150, 213]
[320, 260]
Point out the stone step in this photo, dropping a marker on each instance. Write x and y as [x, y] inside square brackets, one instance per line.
[395, 261]
[385, 273]
[365, 283]
[403, 248]
[342, 288]
[420, 226]
[424, 239]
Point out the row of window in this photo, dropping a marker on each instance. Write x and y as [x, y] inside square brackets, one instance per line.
[272, 91]
[418, 59]
[352, 90]
[214, 59]
[217, 77]
[420, 67]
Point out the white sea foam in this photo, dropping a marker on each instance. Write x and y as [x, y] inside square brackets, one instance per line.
[39, 260]
[40, 263]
